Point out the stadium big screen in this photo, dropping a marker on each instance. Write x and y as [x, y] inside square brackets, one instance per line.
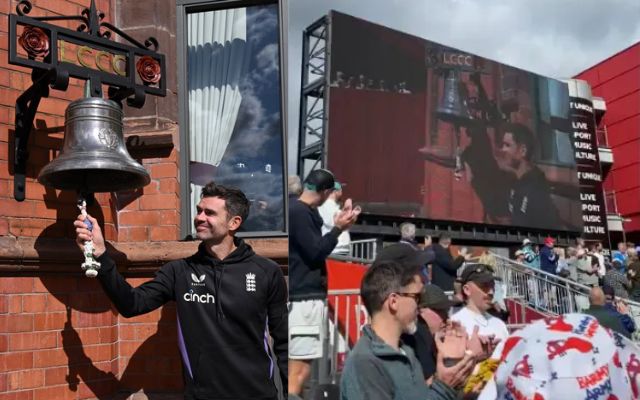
[417, 129]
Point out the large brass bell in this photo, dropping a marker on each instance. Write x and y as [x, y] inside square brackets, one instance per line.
[453, 107]
[94, 157]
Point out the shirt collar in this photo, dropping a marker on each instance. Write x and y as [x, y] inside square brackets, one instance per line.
[482, 319]
[410, 243]
[379, 347]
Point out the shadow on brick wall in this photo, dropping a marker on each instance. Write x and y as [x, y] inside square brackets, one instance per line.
[151, 373]
[38, 147]
[156, 366]
[101, 383]
[108, 357]
[62, 253]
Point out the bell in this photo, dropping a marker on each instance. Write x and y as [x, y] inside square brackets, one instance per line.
[452, 107]
[94, 157]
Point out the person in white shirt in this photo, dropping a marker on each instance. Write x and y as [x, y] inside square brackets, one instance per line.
[328, 211]
[596, 250]
[478, 288]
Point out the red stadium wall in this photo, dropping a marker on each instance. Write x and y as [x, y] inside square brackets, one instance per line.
[617, 81]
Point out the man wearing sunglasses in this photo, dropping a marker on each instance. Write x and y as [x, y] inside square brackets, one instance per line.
[477, 290]
[381, 366]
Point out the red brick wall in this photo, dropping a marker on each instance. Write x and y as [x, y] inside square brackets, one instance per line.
[94, 352]
[151, 213]
[43, 355]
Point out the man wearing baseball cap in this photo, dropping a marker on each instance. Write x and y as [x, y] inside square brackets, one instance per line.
[308, 251]
[477, 289]
[433, 309]
[548, 257]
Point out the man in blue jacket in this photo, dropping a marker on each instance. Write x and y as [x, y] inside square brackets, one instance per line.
[548, 257]
[618, 308]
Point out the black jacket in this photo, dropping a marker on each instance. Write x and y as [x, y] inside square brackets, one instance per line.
[530, 202]
[225, 311]
[488, 180]
[444, 269]
[308, 251]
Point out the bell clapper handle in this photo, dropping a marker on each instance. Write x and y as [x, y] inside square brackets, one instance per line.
[90, 265]
[459, 168]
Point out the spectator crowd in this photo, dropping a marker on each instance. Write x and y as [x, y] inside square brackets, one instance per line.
[438, 321]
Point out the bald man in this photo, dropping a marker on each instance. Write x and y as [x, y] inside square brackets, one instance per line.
[605, 317]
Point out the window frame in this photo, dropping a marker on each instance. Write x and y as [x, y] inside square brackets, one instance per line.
[185, 7]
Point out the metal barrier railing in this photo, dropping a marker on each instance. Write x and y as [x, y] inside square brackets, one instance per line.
[345, 317]
[545, 292]
[550, 293]
[363, 249]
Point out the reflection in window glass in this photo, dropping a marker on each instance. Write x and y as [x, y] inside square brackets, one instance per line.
[235, 129]
[565, 148]
[546, 144]
[556, 148]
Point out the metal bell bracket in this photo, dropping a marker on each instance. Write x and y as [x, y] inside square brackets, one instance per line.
[26, 107]
[41, 40]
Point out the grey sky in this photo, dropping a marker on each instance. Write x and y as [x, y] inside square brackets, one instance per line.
[556, 38]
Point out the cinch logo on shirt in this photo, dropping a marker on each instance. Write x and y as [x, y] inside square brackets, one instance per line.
[198, 298]
[197, 281]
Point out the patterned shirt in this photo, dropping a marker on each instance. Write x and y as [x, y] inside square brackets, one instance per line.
[618, 281]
